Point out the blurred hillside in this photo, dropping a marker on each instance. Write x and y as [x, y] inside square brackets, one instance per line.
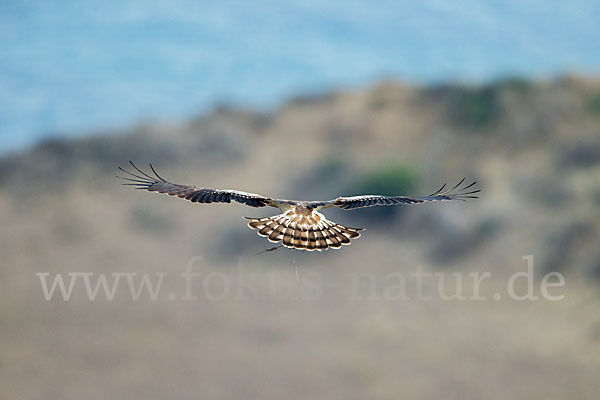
[533, 146]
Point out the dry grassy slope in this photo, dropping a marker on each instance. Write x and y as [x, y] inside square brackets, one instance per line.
[534, 147]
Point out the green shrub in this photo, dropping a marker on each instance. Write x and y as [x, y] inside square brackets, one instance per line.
[593, 103]
[476, 107]
[386, 179]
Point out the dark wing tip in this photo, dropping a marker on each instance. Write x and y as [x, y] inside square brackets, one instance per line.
[144, 177]
[462, 193]
[156, 173]
[456, 192]
[439, 190]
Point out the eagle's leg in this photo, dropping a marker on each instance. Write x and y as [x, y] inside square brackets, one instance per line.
[269, 249]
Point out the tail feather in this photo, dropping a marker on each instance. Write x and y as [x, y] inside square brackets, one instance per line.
[305, 240]
[297, 237]
[332, 239]
[312, 239]
[268, 228]
[337, 231]
[277, 234]
[303, 236]
[321, 241]
[257, 223]
[288, 235]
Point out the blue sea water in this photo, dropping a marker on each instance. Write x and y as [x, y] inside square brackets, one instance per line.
[71, 67]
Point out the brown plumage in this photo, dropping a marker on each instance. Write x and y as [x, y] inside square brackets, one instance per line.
[300, 225]
[304, 229]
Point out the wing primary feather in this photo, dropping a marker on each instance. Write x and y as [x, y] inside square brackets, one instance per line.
[132, 180]
[160, 177]
[472, 184]
[134, 175]
[439, 190]
[457, 185]
[140, 171]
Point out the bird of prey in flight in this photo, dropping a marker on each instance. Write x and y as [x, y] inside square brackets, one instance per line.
[300, 225]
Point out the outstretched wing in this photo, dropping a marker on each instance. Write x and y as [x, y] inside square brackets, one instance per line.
[194, 194]
[350, 203]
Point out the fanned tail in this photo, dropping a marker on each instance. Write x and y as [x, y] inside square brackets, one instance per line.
[296, 233]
